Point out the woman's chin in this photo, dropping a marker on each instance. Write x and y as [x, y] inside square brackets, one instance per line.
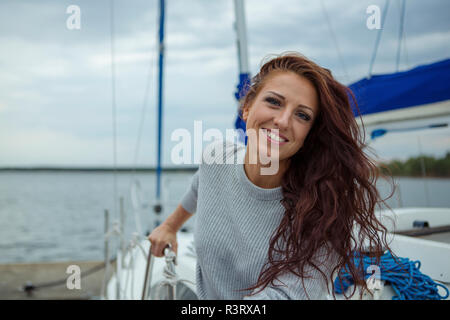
[269, 156]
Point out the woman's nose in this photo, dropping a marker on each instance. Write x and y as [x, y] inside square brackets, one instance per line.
[282, 119]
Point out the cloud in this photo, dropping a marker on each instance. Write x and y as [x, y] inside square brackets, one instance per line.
[41, 146]
[56, 83]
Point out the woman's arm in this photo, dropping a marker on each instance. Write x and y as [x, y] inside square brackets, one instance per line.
[176, 220]
[167, 232]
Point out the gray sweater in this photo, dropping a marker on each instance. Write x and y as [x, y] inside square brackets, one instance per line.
[235, 220]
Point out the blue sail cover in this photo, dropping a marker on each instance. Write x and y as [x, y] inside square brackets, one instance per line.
[421, 85]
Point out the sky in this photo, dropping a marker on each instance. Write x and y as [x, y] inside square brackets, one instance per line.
[56, 101]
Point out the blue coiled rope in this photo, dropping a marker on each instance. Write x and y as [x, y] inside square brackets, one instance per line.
[403, 275]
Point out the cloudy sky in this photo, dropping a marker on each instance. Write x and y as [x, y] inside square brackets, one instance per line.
[55, 83]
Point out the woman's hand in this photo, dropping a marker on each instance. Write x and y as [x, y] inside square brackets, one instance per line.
[161, 237]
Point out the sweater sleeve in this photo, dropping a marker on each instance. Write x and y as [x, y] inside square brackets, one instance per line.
[189, 199]
[215, 152]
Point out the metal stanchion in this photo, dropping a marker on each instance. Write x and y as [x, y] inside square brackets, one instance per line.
[169, 273]
[148, 274]
[106, 251]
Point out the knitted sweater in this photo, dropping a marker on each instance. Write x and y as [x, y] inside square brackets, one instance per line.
[234, 222]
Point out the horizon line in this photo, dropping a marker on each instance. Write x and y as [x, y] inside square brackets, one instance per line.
[94, 168]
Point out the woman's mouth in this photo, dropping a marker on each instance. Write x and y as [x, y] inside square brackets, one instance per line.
[272, 136]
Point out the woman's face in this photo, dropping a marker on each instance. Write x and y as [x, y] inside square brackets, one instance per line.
[287, 102]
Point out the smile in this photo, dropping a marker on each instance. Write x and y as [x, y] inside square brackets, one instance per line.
[273, 137]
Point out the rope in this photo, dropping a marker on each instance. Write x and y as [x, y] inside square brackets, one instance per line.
[134, 181]
[333, 36]
[143, 113]
[29, 287]
[136, 242]
[115, 230]
[169, 272]
[401, 273]
[113, 105]
[170, 276]
[374, 52]
[137, 206]
[400, 33]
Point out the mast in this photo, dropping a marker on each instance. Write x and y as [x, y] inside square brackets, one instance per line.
[158, 207]
[241, 43]
[241, 33]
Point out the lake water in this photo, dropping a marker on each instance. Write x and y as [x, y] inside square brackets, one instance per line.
[59, 215]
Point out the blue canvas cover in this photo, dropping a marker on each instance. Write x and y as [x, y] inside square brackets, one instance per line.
[421, 85]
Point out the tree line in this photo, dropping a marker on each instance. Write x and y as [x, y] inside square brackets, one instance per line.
[418, 166]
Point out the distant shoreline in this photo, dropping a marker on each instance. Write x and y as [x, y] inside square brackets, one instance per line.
[99, 169]
[420, 177]
[144, 169]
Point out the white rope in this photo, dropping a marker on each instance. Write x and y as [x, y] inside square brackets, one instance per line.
[169, 272]
[115, 231]
[136, 242]
[170, 276]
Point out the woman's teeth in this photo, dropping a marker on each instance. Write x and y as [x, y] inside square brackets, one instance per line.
[274, 136]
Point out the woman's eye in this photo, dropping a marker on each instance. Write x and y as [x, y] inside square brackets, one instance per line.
[273, 101]
[303, 116]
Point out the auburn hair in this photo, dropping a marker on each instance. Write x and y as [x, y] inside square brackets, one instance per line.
[329, 189]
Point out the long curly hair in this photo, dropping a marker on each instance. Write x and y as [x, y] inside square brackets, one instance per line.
[329, 191]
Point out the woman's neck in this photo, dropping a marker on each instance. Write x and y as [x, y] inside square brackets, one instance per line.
[253, 172]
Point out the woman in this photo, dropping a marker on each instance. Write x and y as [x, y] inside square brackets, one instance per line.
[283, 235]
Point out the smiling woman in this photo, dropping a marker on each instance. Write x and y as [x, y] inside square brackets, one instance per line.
[295, 226]
[282, 112]
[328, 182]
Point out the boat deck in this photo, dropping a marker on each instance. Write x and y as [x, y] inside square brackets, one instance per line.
[440, 237]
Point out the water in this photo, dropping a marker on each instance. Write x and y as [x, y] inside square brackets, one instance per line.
[59, 216]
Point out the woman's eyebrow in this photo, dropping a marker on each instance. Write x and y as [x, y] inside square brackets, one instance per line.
[283, 98]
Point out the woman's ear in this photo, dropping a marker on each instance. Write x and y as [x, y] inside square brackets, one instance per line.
[245, 111]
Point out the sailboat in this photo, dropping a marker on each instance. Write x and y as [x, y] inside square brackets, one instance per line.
[422, 93]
